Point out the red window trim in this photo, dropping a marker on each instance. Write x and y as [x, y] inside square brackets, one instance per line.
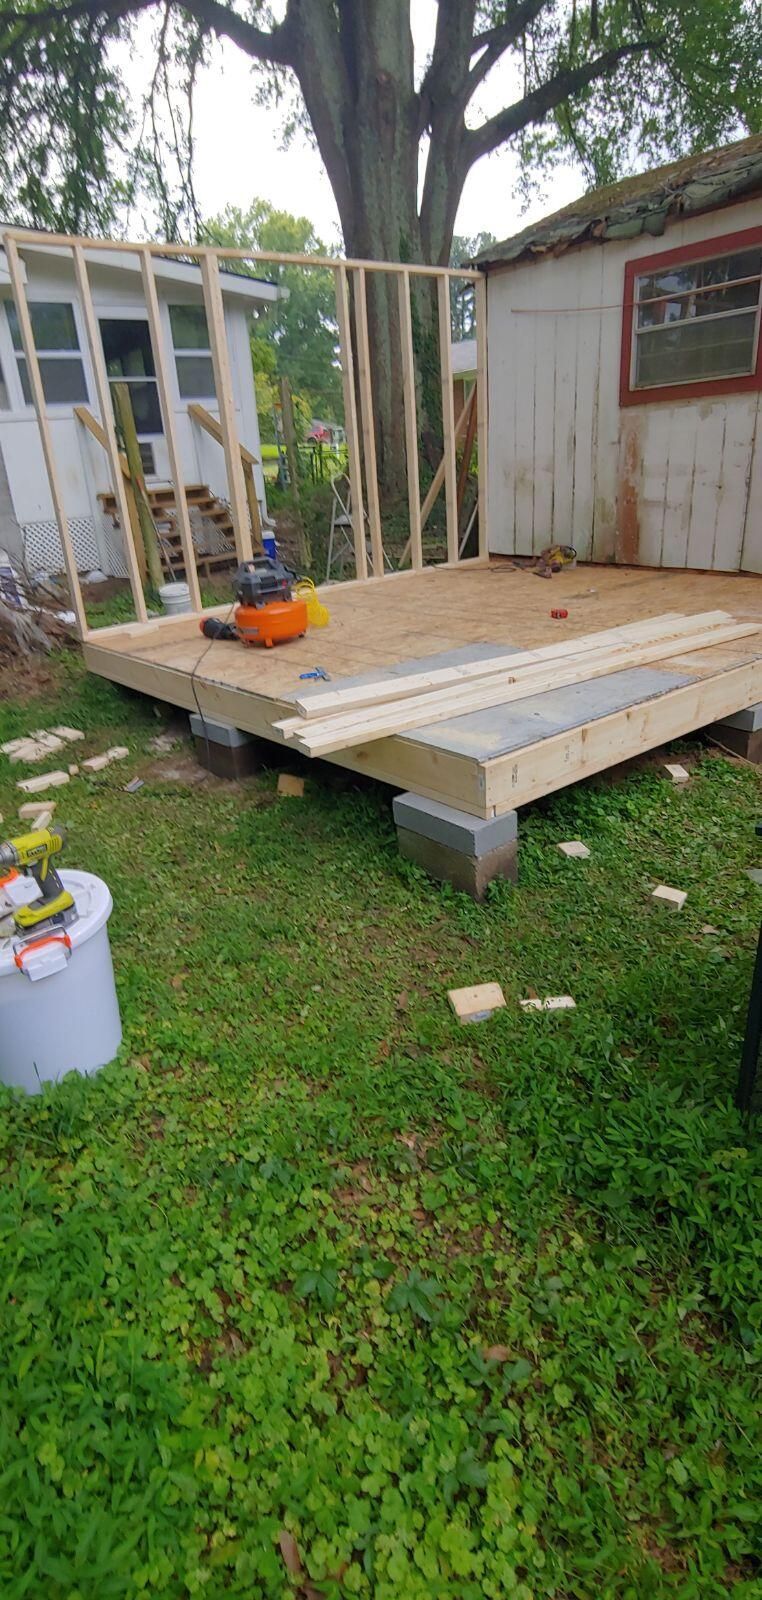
[704, 250]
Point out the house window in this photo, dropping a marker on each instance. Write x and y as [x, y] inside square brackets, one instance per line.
[190, 337]
[147, 457]
[129, 360]
[692, 321]
[4, 406]
[57, 344]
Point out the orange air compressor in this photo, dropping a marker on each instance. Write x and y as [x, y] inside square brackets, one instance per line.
[267, 612]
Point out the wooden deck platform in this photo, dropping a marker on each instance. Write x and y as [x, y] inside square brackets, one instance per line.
[485, 762]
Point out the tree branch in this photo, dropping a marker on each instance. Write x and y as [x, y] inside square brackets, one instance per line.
[536, 105]
[495, 41]
[273, 46]
[448, 69]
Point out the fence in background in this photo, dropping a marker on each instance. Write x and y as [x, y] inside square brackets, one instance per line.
[350, 278]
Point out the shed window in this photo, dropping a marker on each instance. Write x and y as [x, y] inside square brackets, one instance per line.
[692, 320]
[57, 344]
[190, 337]
[698, 321]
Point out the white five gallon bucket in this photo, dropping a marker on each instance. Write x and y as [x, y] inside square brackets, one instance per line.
[58, 1005]
[175, 597]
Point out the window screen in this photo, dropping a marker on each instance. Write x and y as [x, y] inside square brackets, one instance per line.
[57, 345]
[189, 327]
[698, 321]
[147, 458]
[190, 337]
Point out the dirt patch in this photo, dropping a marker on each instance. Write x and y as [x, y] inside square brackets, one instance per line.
[24, 678]
[94, 592]
[182, 769]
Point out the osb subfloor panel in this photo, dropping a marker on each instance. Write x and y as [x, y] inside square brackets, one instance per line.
[380, 625]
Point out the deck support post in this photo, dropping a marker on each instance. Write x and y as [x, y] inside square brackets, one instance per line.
[225, 750]
[741, 733]
[454, 847]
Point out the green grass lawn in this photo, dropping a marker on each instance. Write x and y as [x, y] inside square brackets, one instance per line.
[314, 1293]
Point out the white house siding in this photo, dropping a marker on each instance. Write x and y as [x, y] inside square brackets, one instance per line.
[82, 463]
[665, 484]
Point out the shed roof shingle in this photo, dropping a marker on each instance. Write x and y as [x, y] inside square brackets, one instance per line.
[643, 204]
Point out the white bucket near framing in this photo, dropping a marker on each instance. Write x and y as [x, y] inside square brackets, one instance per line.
[175, 598]
[59, 1013]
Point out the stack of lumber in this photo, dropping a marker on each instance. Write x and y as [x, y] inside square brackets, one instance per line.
[338, 718]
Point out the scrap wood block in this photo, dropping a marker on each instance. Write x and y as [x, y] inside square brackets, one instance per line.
[676, 772]
[43, 819]
[45, 780]
[289, 784]
[575, 849]
[97, 763]
[552, 1002]
[37, 746]
[477, 1003]
[69, 735]
[675, 898]
[32, 808]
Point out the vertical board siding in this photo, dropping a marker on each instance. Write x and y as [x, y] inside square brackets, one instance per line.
[524, 466]
[707, 476]
[606, 465]
[734, 488]
[588, 293]
[676, 485]
[679, 493]
[567, 332]
[751, 554]
[502, 425]
[654, 446]
[545, 406]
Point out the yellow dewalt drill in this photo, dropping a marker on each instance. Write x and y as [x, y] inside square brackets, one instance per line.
[30, 854]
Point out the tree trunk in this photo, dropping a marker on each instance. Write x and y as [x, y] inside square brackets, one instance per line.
[365, 113]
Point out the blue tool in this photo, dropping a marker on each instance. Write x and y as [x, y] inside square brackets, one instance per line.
[317, 672]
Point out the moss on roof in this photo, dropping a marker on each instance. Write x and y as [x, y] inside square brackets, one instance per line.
[643, 204]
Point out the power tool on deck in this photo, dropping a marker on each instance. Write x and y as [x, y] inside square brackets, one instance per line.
[30, 886]
[267, 612]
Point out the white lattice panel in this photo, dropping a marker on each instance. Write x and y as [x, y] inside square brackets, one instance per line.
[112, 559]
[92, 547]
[42, 546]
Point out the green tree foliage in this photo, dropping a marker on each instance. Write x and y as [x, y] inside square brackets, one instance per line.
[616, 82]
[462, 298]
[296, 337]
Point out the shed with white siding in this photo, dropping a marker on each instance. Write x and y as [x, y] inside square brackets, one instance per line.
[625, 371]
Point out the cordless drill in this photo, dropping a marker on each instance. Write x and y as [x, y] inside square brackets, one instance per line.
[30, 855]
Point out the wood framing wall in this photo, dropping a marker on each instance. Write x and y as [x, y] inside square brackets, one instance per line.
[355, 358]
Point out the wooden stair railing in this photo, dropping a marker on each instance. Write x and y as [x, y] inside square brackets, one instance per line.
[210, 424]
[95, 428]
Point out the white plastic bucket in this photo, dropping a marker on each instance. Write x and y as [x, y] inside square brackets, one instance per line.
[175, 598]
[59, 1013]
